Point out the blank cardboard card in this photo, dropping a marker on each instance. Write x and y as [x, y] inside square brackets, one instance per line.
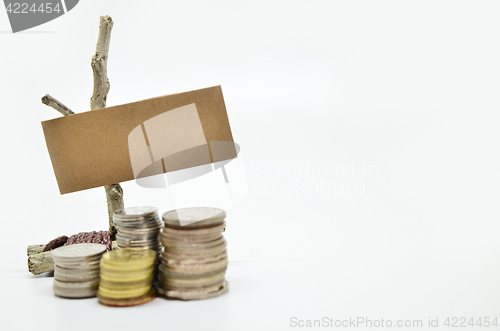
[139, 139]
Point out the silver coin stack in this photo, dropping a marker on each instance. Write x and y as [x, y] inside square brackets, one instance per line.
[193, 260]
[138, 227]
[76, 270]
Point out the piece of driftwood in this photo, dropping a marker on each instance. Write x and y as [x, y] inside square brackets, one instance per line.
[99, 63]
[38, 261]
[35, 249]
[57, 105]
[114, 192]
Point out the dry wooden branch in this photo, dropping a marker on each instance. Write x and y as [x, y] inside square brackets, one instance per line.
[38, 261]
[114, 192]
[35, 249]
[57, 105]
[100, 64]
[114, 197]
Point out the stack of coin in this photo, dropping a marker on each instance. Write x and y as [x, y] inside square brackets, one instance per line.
[193, 261]
[76, 270]
[127, 277]
[137, 227]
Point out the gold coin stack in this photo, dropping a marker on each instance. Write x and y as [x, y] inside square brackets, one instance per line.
[193, 260]
[127, 277]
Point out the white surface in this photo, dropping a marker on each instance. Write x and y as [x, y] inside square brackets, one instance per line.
[370, 134]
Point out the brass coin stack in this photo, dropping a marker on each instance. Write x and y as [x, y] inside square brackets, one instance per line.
[193, 260]
[76, 270]
[127, 277]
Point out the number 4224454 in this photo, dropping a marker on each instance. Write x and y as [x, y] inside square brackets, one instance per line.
[24, 8]
[462, 322]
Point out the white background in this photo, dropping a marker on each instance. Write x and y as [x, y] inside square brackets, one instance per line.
[408, 88]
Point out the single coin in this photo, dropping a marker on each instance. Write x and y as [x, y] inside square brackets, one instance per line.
[74, 293]
[193, 245]
[77, 251]
[78, 265]
[135, 240]
[194, 232]
[195, 268]
[207, 293]
[72, 276]
[124, 244]
[172, 261]
[128, 258]
[195, 249]
[175, 283]
[134, 212]
[75, 289]
[182, 254]
[193, 217]
[141, 232]
[151, 295]
[127, 243]
[127, 277]
[111, 284]
[175, 238]
[124, 293]
[76, 271]
[169, 286]
[76, 285]
[133, 220]
[167, 274]
[142, 225]
[199, 255]
[132, 269]
[156, 249]
[80, 268]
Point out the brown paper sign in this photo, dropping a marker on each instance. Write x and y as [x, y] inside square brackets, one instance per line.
[139, 139]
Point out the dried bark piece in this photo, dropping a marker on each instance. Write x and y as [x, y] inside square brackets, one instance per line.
[35, 249]
[40, 263]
